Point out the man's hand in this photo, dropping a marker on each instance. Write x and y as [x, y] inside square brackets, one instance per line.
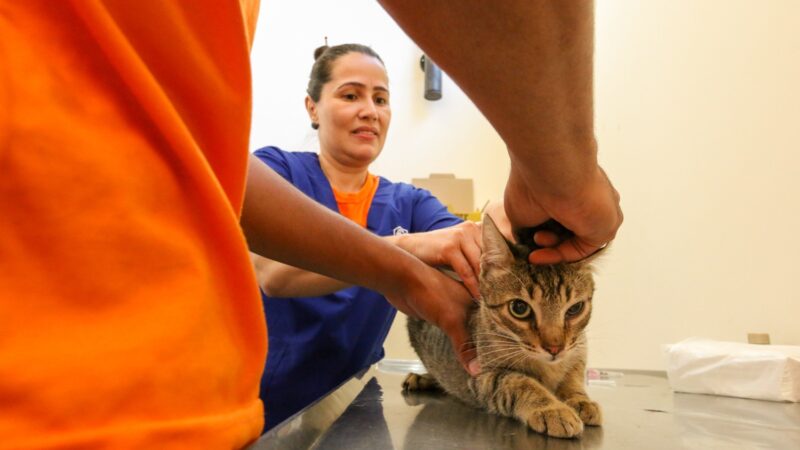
[458, 247]
[591, 211]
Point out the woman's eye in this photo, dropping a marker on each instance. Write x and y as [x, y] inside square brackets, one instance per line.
[349, 96]
[519, 309]
[575, 309]
[382, 101]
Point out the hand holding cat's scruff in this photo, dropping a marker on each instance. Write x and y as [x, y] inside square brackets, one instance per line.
[589, 209]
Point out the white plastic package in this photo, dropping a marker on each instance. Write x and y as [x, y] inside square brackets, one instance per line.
[765, 372]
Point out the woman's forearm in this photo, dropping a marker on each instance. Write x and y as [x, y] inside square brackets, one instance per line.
[283, 224]
[282, 280]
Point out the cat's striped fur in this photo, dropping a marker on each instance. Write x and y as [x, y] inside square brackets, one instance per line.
[532, 354]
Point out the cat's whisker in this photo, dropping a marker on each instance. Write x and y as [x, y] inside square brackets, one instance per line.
[504, 346]
[501, 342]
[523, 357]
[497, 339]
[491, 345]
[484, 347]
[500, 360]
[496, 358]
[491, 340]
[496, 351]
[508, 344]
[520, 352]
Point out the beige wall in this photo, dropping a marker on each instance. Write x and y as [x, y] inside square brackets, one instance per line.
[698, 121]
[698, 118]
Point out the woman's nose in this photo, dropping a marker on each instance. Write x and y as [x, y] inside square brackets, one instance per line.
[369, 110]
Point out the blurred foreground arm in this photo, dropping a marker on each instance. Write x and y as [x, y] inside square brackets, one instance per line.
[527, 65]
[282, 224]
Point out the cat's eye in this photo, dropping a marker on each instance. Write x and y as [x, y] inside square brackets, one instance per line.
[575, 309]
[519, 309]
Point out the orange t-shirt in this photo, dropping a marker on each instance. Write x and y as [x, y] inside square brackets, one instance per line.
[355, 205]
[129, 313]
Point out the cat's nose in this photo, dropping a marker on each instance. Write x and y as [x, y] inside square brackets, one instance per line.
[553, 349]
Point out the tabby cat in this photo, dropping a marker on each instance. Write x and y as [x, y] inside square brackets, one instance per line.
[528, 330]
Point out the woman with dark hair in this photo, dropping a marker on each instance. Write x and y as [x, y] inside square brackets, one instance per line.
[322, 331]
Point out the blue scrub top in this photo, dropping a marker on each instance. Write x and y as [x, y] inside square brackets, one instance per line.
[317, 343]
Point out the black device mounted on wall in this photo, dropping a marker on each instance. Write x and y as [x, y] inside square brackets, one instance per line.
[433, 78]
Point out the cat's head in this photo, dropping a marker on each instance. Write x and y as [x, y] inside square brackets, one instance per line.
[530, 311]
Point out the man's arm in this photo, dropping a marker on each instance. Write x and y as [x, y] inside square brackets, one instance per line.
[527, 65]
[282, 224]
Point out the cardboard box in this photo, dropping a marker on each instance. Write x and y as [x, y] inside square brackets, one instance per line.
[455, 193]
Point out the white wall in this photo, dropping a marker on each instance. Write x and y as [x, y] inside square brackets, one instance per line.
[698, 119]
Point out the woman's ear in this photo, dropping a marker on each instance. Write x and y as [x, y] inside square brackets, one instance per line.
[311, 108]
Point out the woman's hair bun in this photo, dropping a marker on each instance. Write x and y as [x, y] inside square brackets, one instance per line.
[319, 51]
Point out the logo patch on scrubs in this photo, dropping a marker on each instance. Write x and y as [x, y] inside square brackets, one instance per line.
[398, 230]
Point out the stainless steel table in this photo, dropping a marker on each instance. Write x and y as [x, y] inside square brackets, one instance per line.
[640, 412]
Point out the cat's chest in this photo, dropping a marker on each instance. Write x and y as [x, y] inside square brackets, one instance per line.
[551, 375]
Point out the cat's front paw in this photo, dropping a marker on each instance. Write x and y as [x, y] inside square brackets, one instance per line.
[416, 382]
[557, 421]
[587, 410]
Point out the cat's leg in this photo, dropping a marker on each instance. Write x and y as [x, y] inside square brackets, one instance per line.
[416, 382]
[514, 394]
[573, 393]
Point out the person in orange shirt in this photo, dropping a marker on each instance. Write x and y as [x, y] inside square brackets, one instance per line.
[127, 319]
[129, 316]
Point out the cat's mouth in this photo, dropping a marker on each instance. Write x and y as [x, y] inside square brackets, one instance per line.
[547, 357]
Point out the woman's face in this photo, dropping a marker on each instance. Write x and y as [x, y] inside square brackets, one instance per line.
[353, 110]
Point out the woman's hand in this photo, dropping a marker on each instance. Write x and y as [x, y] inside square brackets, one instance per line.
[458, 247]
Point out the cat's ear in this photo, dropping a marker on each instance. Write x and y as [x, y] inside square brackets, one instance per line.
[496, 252]
[588, 262]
